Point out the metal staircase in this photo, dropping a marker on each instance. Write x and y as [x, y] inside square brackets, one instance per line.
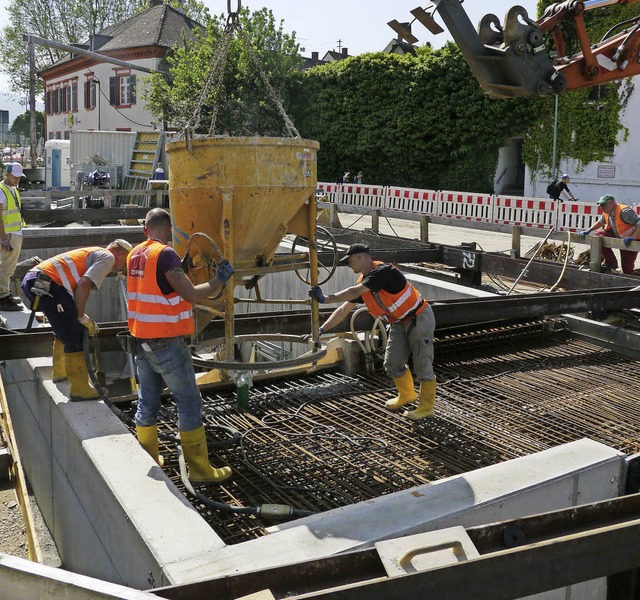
[144, 160]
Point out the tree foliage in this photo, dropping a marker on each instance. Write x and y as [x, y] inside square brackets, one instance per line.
[589, 125]
[419, 121]
[66, 22]
[21, 124]
[244, 106]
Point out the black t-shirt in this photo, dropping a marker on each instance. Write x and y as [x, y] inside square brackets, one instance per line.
[384, 277]
[557, 189]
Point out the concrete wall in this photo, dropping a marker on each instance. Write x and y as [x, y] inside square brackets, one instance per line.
[113, 513]
[22, 579]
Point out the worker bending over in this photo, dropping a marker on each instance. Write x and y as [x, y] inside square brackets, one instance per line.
[160, 315]
[63, 284]
[388, 295]
[617, 221]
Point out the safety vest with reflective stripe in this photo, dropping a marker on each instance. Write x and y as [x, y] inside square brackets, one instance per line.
[393, 307]
[67, 268]
[152, 314]
[623, 229]
[11, 217]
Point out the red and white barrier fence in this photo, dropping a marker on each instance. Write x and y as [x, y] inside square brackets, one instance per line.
[412, 200]
[486, 208]
[466, 206]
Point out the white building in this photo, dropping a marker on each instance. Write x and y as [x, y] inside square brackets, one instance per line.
[618, 174]
[84, 93]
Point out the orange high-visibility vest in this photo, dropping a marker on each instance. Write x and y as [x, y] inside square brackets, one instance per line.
[150, 313]
[67, 268]
[393, 307]
[623, 229]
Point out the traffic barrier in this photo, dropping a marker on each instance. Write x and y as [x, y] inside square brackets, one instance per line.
[330, 190]
[528, 212]
[523, 211]
[577, 216]
[363, 196]
[466, 206]
[412, 200]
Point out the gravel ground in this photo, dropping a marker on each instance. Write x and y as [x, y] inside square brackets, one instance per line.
[12, 536]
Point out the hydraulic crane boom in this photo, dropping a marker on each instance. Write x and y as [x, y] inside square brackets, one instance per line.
[511, 60]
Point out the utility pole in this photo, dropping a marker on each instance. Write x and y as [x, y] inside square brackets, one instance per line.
[32, 104]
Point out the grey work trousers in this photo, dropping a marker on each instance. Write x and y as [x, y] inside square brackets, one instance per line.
[406, 339]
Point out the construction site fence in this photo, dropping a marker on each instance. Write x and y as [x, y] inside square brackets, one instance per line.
[535, 213]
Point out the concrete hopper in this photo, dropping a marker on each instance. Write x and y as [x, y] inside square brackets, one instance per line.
[236, 198]
[266, 183]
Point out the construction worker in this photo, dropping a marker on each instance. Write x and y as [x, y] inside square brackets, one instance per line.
[617, 221]
[160, 315]
[62, 285]
[11, 226]
[388, 295]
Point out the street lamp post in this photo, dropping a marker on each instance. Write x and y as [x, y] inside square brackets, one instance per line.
[554, 167]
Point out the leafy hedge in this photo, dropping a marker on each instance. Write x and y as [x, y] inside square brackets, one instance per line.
[417, 121]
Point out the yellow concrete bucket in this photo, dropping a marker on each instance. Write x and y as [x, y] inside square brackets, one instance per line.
[249, 190]
[236, 198]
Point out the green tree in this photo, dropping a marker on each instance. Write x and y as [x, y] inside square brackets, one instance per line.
[20, 125]
[66, 23]
[244, 106]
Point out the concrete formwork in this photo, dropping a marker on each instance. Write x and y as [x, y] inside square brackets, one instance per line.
[116, 516]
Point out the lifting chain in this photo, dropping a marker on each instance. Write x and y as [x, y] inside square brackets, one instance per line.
[215, 77]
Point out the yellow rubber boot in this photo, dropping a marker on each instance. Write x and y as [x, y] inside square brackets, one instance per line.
[425, 405]
[78, 377]
[407, 392]
[59, 371]
[194, 446]
[148, 438]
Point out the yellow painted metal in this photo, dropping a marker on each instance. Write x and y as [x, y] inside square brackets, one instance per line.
[269, 179]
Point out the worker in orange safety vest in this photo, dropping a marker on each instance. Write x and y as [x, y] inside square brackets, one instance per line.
[388, 295]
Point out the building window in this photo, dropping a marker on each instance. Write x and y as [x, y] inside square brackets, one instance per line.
[122, 90]
[91, 93]
[66, 107]
[74, 96]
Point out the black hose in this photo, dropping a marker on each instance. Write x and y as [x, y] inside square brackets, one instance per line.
[280, 510]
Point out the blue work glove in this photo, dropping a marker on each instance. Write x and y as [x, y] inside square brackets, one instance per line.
[582, 234]
[628, 240]
[224, 271]
[316, 292]
[321, 331]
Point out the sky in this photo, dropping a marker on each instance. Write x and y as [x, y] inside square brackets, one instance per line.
[323, 25]
[361, 25]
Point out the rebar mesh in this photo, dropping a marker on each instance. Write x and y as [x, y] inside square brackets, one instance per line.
[325, 440]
